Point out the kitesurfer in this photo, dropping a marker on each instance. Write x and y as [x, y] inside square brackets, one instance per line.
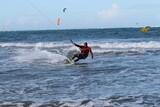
[84, 51]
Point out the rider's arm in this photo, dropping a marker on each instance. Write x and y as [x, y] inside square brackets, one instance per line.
[76, 44]
[91, 53]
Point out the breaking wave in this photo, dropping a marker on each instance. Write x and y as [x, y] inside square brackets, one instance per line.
[107, 45]
[38, 55]
[113, 101]
[98, 48]
[52, 52]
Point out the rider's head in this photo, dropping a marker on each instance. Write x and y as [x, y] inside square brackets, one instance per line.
[85, 44]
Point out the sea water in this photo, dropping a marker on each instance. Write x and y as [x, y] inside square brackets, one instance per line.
[125, 71]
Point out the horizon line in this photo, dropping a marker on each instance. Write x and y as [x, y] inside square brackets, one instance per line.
[28, 30]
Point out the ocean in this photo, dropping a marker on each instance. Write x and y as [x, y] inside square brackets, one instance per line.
[125, 71]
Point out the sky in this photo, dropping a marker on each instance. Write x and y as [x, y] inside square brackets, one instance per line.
[80, 14]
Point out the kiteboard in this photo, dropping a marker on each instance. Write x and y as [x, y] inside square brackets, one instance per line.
[69, 61]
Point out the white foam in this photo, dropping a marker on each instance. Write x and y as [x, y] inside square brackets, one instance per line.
[36, 104]
[31, 55]
[40, 45]
[107, 45]
[126, 45]
[97, 47]
[70, 104]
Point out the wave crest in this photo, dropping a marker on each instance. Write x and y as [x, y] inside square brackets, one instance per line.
[108, 45]
[113, 101]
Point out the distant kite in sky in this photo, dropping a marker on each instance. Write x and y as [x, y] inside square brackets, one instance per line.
[64, 10]
[58, 21]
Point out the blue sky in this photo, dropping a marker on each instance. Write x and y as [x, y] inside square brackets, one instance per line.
[42, 14]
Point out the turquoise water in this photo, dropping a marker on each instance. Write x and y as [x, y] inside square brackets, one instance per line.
[124, 72]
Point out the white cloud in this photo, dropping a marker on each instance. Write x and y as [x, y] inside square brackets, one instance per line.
[110, 13]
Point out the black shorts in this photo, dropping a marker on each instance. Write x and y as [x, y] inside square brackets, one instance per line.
[81, 56]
